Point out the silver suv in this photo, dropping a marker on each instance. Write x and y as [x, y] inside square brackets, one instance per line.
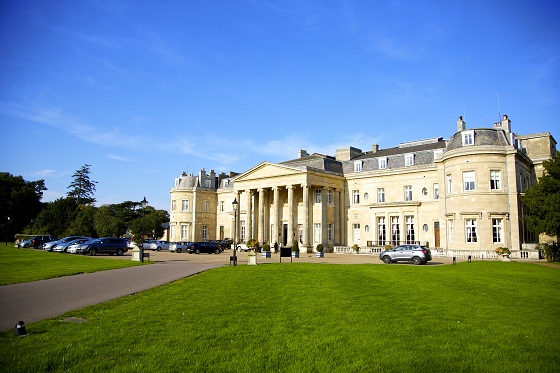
[410, 252]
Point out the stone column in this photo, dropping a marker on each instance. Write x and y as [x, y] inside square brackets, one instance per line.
[305, 237]
[249, 216]
[341, 217]
[260, 234]
[336, 222]
[324, 216]
[276, 216]
[290, 214]
[237, 229]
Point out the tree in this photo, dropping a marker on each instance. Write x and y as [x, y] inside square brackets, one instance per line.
[20, 200]
[543, 200]
[57, 218]
[107, 223]
[84, 223]
[82, 188]
[153, 220]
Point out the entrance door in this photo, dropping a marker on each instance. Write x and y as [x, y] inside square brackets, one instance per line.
[436, 233]
[285, 235]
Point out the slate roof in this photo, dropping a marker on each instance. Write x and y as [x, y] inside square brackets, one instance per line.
[482, 136]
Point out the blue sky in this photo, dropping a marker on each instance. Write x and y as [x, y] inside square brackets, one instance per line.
[143, 90]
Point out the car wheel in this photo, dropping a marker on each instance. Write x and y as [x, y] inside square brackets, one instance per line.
[93, 252]
[217, 251]
[178, 250]
[197, 251]
[416, 260]
[120, 252]
[159, 249]
[387, 259]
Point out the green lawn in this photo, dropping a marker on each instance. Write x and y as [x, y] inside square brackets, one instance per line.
[24, 265]
[473, 317]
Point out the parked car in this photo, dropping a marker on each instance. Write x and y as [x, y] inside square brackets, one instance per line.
[75, 248]
[147, 244]
[410, 252]
[204, 247]
[242, 247]
[179, 246]
[105, 245]
[225, 243]
[62, 247]
[159, 245]
[24, 244]
[38, 241]
[49, 245]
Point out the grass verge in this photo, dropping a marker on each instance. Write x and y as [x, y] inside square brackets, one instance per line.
[24, 265]
[480, 316]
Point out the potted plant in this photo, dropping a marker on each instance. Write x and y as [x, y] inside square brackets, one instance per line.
[266, 250]
[356, 248]
[295, 249]
[504, 253]
[319, 253]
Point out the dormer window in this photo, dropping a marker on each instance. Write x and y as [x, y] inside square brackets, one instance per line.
[358, 166]
[468, 138]
[409, 160]
[382, 163]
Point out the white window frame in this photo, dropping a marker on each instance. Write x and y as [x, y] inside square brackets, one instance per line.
[329, 196]
[449, 184]
[409, 159]
[469, 181]
[185, 205]
[204, 232]
[317, 195]
[451, 232]
[356, 197]
[381, 231]
[382, 163]
[173, 205]
[471, 235]
[172, 233]
[358, 166]
[395, 230]
[436, 191]
[410, 232]
[317, 235]
[184, 232]
[495, 180]
[205, 206]
[356, 232]
[330, 232]
[408, 193]
[380, 195]
[468, 138]
[497, 230]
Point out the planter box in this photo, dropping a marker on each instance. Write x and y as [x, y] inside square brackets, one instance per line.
[295, 254]
[266, 254]
[319, 254]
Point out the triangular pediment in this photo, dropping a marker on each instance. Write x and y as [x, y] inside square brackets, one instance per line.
[267, 170]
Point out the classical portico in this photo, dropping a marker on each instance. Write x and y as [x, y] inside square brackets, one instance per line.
[279, 203]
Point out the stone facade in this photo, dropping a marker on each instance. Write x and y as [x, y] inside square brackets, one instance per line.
[462, 193]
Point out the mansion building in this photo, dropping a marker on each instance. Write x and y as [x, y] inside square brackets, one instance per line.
[461, 193]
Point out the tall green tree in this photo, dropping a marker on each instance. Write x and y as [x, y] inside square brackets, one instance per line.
[84, 223]
[20, 200]
[543, 200]
[107, 222]
[82, 187]
[151, 224]
[57, 218]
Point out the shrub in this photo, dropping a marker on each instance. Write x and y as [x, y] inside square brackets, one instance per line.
[319, 248]
[549, 251]
[295, 246]
[266, 247]
[356, 248]
[503, 251]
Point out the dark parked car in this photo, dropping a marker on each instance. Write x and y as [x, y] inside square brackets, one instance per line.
[411, 253]
[38, 241]
[105, 245]
[204, 247]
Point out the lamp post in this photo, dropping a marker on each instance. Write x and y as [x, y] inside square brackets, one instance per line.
[7, 229]
[144, 204]
[235, 205]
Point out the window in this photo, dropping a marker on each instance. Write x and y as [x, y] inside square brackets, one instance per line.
[381, 234]
[185, 205]
[408, 193]
[300, 233]
[424, 191]
[172, 232]
[468, 180]
[204, 232]
[184, 232]
[243, 231]
[358, 166]
[470, 225]
[317, 195]
[355, 197]
[436, 191]
[329, 195]
[495, 180]
[222, 206]
[205, 206]
[468, 138]
[317, 233]
[395, 231]
[382, 162]
[409, 159]
[410, 236]
[380, 195]
[451, 233]
[449, 185]
[356, 229]
[366, 229]
[173, 205]
[330, 231]
[497, 230]
[366, 196]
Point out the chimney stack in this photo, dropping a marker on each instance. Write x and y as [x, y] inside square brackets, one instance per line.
[375, 148]
[461, 124]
